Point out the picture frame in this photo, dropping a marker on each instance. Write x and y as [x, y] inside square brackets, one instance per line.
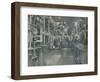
[42, 35]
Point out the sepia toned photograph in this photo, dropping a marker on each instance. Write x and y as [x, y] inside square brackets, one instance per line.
[57, 40]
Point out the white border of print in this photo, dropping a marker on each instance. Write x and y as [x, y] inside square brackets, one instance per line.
[25, 70]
